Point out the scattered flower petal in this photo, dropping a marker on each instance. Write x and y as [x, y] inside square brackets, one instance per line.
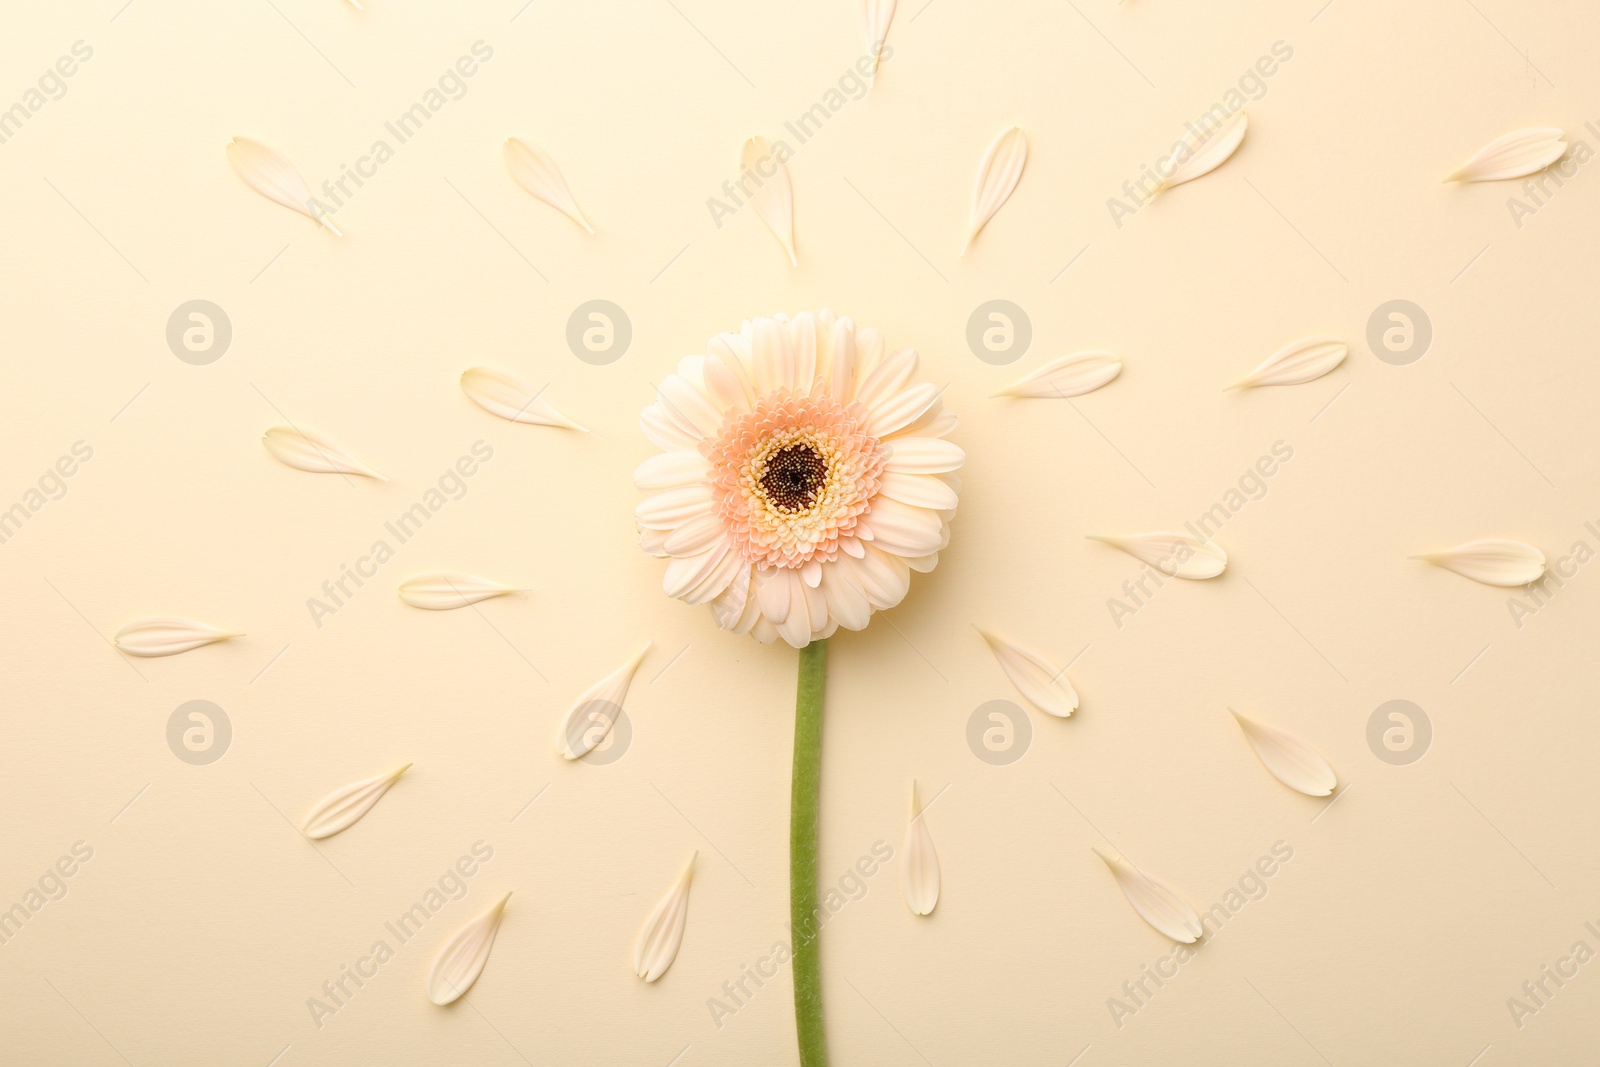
[1291, 761]
[307, 451]
[166, 635]
[1158, 903]
[919, 873]
[502, 395]
[998, 175]
[461, 960]
[1300, 362]
[1043, 684]
[443, 590]
[1205, 155]
[1516, 155]
[1074, 375]
[343, 808]
[1174, 554]
[595, 712]
[274, 177]
[536, 172]
[876, 15]
[662, 932]
[774, 196]
[1492, 561]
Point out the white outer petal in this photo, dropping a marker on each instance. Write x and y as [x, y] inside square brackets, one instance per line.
[696, 535]
[1158, 903]
[463, 957]
[1492, 561]
[1041, 682]
[888, 377]
[605, 698]
[661, 430]
[1289, 759]
[668, 470]
[671, 508]
[662, 932]
[344, 807]
[901, 410]
[919, 871]
[166, 635]
[903, 529]
[923, 455]
[918, 490]
[690, 404]
[847, 600]
[1174, 554]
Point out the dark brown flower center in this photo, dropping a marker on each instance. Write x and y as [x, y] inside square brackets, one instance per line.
[794, 476]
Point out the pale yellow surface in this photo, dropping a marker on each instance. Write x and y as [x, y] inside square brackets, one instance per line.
[1410, 911]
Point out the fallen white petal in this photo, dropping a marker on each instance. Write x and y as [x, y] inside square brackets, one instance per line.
[876, 15]
[1291, 761]
[442, 590]
[998, 175]
[461, 960]
[1073, 375]
[343, 808]
[1210, 152]
[1174, 554]
[1296, 364]
[536, 172]
[266, 171]
[1516, 155]
[309, 451]
[1043, 684]
[919, 871]
[593, 714]
[774, 195]
[1158, 903]
[1492, 561]
[166, 635]
[502, 395]
[662, 933]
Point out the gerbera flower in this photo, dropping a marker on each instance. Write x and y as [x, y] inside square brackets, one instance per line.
[803, 476]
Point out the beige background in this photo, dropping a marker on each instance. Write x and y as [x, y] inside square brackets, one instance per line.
[1411, 910]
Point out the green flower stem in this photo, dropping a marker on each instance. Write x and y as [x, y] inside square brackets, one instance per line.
[804, 801]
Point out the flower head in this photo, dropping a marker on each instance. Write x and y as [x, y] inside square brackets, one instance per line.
[803, 476]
